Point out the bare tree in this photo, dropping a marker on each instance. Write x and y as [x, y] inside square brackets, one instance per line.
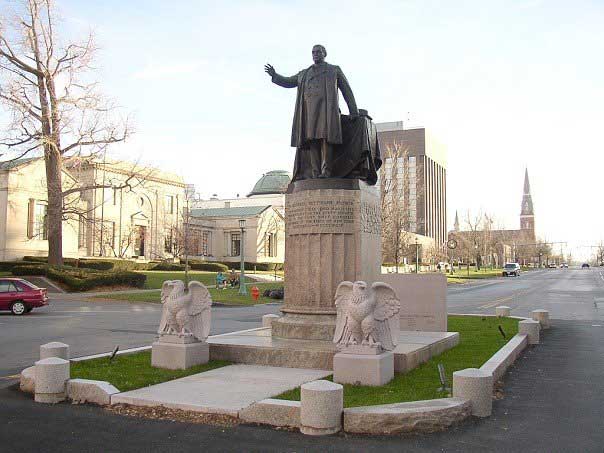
[395, 205]
[55, 109]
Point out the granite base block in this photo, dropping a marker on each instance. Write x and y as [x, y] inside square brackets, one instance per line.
[273, 412]
[174, 356]
[411, 417]
[374, 370]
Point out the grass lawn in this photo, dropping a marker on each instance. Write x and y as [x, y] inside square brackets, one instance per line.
[156, 278]
[479, 340]
[133, 371]
[462, 275]
[227, 296]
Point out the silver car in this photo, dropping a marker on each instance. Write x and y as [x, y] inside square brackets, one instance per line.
[511, 269]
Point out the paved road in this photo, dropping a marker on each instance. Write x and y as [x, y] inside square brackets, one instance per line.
[566, 293]
[94, 327]
[553, 394]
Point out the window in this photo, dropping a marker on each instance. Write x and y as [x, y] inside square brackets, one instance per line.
[7, 287]
[235, 244]
[270, 244]
[205, 243]
[82, 232]
[169, 241]
[169, 204]
[40, 220]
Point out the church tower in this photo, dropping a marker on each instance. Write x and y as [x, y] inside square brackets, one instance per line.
[456, 224]
[527, 215]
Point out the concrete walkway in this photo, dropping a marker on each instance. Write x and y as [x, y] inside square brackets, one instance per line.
[224, 390]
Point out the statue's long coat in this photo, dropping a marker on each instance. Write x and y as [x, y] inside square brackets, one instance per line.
[317, 121]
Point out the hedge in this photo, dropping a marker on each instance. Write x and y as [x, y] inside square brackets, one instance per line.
[168, 267]
[208, 266]
[7, 266]
[258, 266]
[44, 259]
[82, 279]
[30, 269]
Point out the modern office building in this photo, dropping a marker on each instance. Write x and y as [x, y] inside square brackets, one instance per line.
[420, 163]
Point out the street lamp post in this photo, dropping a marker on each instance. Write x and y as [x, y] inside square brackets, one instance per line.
[242, 288]
[189, 193]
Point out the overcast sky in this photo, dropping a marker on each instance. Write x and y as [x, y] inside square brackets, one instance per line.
[503, 84]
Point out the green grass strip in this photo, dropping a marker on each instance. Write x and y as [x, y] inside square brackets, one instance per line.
[479, 340]
[133, 371]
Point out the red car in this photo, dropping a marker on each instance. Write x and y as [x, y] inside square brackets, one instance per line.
[20, 296]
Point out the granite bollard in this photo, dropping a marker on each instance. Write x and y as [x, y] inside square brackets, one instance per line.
[322, 404]
[542, 316]
[502, 311]
[51, 377]
[54, 349]
[477, 386]
[530, 328]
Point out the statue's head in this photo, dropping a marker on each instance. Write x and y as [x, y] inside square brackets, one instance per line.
[318, 53]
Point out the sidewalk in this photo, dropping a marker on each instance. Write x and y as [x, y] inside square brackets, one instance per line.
[554, 402]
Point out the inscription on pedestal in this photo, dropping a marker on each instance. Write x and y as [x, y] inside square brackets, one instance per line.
[319, 216]
[371, 221]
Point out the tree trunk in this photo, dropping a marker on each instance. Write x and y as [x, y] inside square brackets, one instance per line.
[54, 219]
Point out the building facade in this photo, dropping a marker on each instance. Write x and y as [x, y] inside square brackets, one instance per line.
[121, 210]
[421, 170]
[216, 223]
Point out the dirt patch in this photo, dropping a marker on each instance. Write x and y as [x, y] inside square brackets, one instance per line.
[175, 415]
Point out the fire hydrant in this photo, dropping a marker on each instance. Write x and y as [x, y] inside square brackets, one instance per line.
[255, 292]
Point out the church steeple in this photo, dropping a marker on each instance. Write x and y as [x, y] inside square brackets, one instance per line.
[527, 214]
[456, 224]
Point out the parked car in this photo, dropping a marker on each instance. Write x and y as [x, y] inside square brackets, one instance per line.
[564, 266]
[584, 266]
[552, 265]
[20, 296]
[511, 269]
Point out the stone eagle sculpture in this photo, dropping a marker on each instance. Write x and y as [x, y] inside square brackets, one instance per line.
[185, 314]
[367, 318]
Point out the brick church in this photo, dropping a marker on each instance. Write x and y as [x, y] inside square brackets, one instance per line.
[497, 247]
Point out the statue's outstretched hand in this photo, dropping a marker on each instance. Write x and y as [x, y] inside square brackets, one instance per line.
[269, 70]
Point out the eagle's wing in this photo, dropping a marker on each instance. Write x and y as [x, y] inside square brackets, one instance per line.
[199, 310]
[385, 314]
[166, 291]
[343, 294]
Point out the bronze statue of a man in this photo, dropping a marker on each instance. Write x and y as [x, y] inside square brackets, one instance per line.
[317, 126]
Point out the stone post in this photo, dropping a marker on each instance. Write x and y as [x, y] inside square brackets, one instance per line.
[502, 311]
[52, 375]
[332, 234]
[322, 404]
[477, 386]
[530, 328]
[54, 349]
[542, 316]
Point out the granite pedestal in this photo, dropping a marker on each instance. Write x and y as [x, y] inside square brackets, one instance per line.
[332, 234]
[363, 369]
[179, 353]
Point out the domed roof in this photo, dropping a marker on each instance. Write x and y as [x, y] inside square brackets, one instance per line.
[273, 182]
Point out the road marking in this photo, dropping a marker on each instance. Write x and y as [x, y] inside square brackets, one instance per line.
[596, 325]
